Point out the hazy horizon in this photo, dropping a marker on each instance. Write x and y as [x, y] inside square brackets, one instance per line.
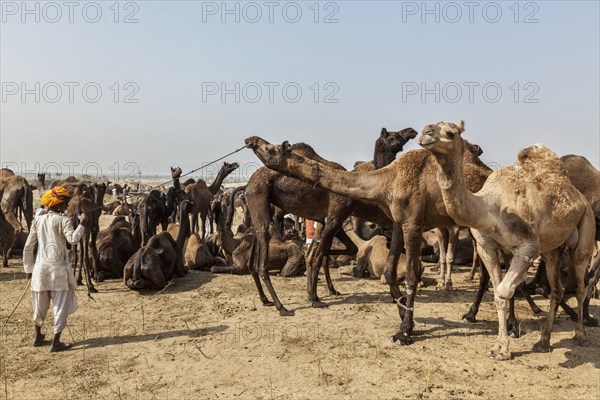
[159, 84]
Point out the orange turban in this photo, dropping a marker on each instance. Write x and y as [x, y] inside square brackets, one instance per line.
[54, 196]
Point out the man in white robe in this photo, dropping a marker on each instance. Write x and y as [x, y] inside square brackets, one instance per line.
[51, 275]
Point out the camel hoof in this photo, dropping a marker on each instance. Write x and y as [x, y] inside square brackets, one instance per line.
[403, 338]
[334, 292]
[267, 303]
[469, 318]
[92, 289]
[581, 340]
[591, 322]
[537, 310]
[448, 288]
[541, 347]
[513, 328]
[319, 304]
[285, 312]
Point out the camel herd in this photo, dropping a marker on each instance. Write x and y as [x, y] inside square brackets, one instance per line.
[379, 218]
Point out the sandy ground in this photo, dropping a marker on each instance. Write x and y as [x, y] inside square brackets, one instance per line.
[208, 336]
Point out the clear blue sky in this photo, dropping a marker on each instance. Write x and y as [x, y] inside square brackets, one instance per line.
[375, 56]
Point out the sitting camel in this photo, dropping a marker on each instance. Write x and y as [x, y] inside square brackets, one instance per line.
[116, 244]
[286, 257]
[525, 210]
[153, 265]
[371, 257]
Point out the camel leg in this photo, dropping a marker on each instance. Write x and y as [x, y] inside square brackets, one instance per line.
[293, 265]
[442, 237]
[512, 325]
[263, 260]
[452, 242]
[552, 261]
[412, 240]
[86, 262]
[10, 217]
[390, 273]
[75, 262]
[484, 279]
[581, 257]
[534, 307]
[203, 217]
[4, 256]
[331, 229]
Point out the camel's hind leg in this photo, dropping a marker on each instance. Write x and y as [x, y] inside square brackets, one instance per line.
[452, 242]
[552, 261]
[484, 279]
[263, 239]
[86, 262]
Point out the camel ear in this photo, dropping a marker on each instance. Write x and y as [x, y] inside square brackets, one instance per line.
[461, 126]
[384, 132]
[285, 147]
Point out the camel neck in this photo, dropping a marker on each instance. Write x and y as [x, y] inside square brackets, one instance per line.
[216, 184]
[460, 202]
[184, 228]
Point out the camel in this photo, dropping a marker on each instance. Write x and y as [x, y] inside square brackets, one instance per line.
[15, 195]
[153, 265]
[201, 194]
[81, 203]
[406, 190]
[116, 244]
[41, 180]
[371, 257]
[525, 210]
[448, 237]
[152, 212]
[6, 239]
[286, 257]
[267, 187]
[174, 194]
[585, 177]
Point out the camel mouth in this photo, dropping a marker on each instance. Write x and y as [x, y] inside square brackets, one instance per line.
[426, 141]
[252, 142]
[410, 133]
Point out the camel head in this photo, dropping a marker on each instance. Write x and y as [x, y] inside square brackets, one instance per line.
[175, 172]
[395, 141]
[229, 168]
[475, 149]
[270, 154]
[443, 138]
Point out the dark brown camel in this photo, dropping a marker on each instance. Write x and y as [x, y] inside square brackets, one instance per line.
[116, 244]
[408, 192]
[174, 195]
[201, 194]
[41, 180]
[152, 212]
[82, 203]
[154, 265]
[267, 187]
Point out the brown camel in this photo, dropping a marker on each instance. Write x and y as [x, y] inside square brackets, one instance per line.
[6, 238]
[154, 265]
[116, 244]
[41, 180]
[286, 257]
[267, 187]
[406, 190]
[81, 203]
[585, 177]
[201, 194]
[152, 212]
[371, 257]
[475, 175]
[525, 210]
[15, 196]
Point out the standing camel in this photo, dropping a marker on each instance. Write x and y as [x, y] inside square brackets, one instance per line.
[201, 194]
[267, 186]
[15, 195]
[522, 210]
[406, 190]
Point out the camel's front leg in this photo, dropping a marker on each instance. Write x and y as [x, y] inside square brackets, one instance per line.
[263, 259]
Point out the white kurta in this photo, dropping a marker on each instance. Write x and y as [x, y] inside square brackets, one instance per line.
[50, 270]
